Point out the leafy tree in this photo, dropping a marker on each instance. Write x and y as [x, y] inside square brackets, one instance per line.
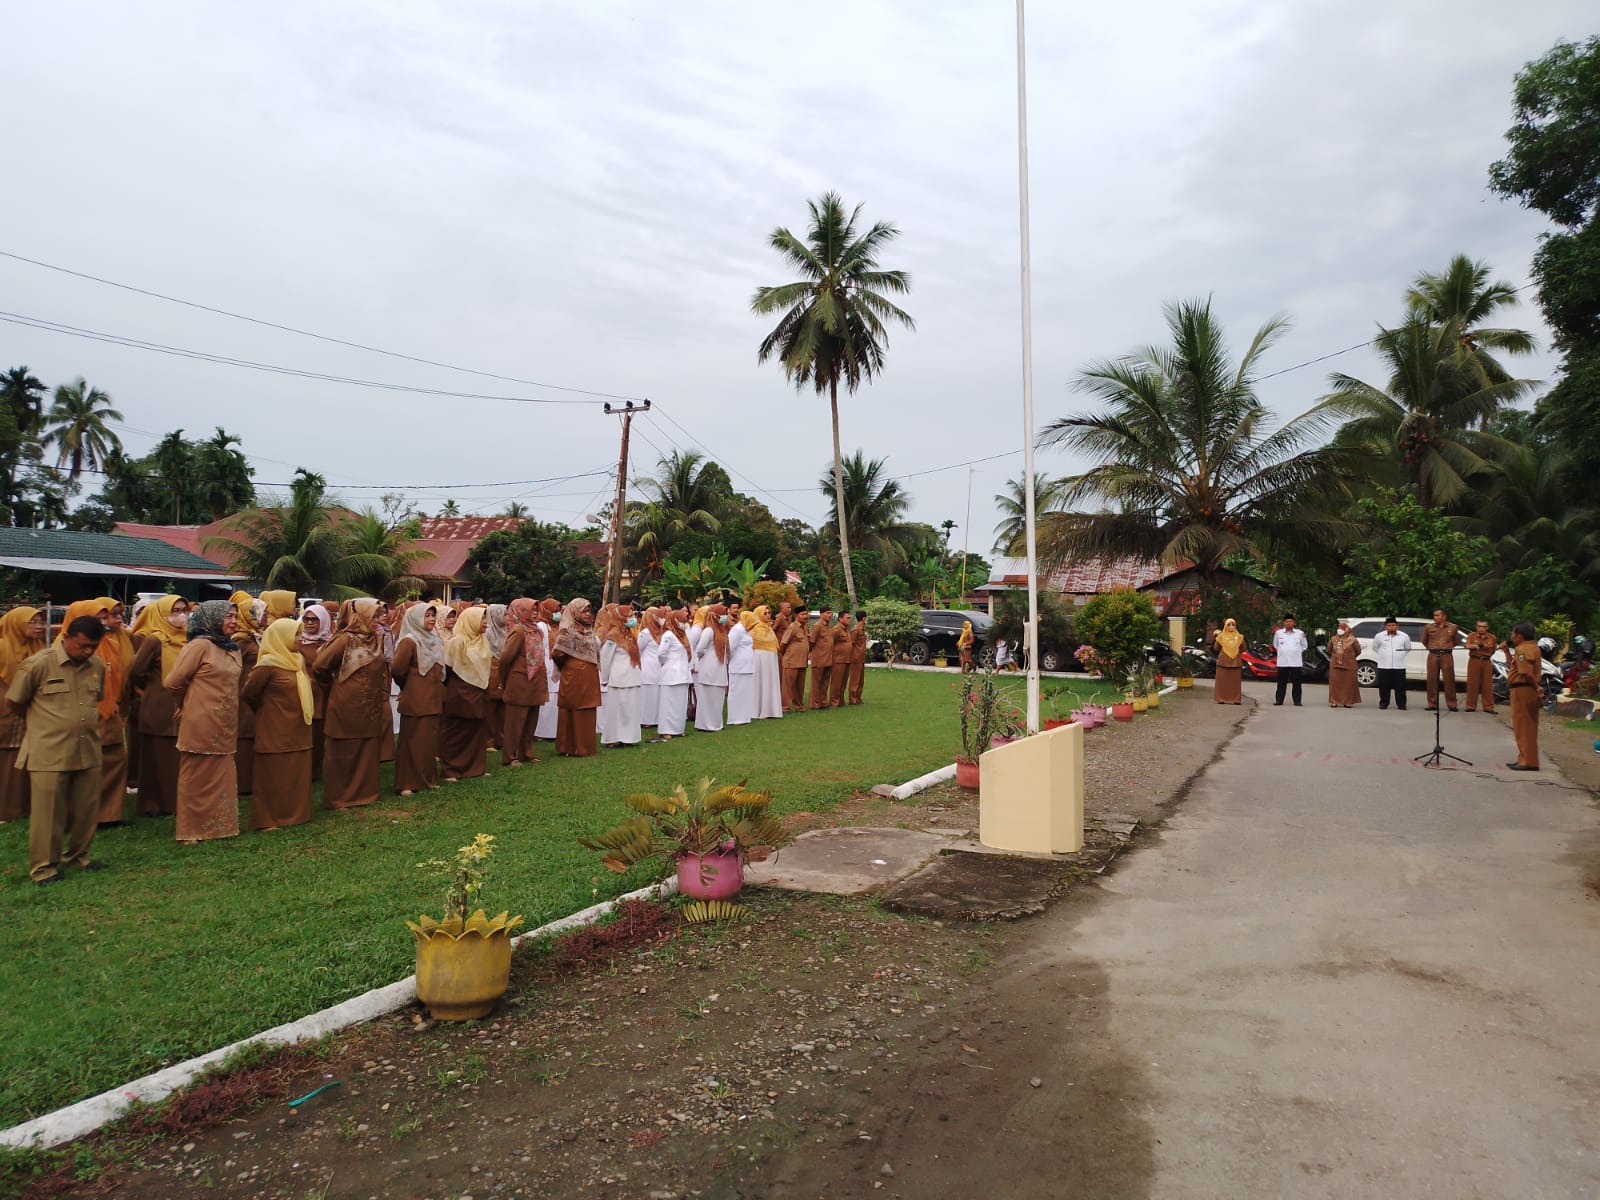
[1186, 463]
[1118, 624]
[684, 496]
[1411, 559]
[221, 481]
[876, 505]
[1011, 532]
[1544, 587]
[534, 559]
[79, 426]
[894, 623]
[450, 509]
[772, 593]
[376, 558]
[1459, 300]
[180, 480]
[1552, 165]
[740, 539]
[894, 587]
[21, 414]
[296, 545]
[516, 509]
[833, 326]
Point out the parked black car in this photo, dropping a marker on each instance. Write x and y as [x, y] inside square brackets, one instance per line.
[940, 629]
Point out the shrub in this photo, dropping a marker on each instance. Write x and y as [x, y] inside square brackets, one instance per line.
[771, 593]
[1118, 624]
[894, 623]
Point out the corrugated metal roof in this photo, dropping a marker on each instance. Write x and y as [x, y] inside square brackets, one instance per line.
[150, 555]
[1092, 577]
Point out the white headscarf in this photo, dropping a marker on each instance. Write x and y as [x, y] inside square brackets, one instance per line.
[430, 646]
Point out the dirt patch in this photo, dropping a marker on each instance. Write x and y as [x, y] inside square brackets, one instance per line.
[1573, 749]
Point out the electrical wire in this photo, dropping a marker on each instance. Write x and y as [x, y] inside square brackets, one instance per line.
[723, 462]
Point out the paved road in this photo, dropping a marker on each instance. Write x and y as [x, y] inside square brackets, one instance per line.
[1339, 974]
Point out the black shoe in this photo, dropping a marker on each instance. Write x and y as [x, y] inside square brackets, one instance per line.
[49, 880]
[95, 865]
[1431, 708]
[1297, 704]
[1383, 708]
[1455, 710]
[1519, 767]
[1277, 704]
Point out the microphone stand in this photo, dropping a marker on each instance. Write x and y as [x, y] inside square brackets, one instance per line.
[1435, 757]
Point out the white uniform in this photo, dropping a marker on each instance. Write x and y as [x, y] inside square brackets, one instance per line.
[711, 684]
[673, 708]
[545, 727]
[741, 675]
[649, 677]
[621, 680]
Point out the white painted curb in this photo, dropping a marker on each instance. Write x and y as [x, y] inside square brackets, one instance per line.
[84, 1117]
[923, 782]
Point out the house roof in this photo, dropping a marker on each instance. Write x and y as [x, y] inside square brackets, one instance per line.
[1091, 577]
[471, 529]
[188, 538]
[130, 555]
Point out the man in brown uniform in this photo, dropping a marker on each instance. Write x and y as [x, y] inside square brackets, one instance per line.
[822, 637]
[1525, 667]
[858, 657]
[58, 690]
[843, 635]
[1439, 634]
[793, 648]
[1481, 645]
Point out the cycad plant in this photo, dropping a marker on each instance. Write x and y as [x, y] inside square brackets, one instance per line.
[683, 822]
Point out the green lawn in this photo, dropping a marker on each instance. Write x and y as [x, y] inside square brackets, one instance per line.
[175, 951]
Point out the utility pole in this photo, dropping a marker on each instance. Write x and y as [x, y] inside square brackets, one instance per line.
[965, 530]
[613, 584]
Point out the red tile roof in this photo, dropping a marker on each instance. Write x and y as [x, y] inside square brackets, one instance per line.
[1095, 576]
[185, 537]
[472, 529]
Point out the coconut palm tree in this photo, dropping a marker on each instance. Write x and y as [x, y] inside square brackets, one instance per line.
[876, 509]
[78, 425]
[516, 510]
[1461, 299]
[21, 411]
[682, 497]
[1427, 412]
[1187, 462]
[296, 545]
[450, 509]
[376, 558]
[834, 327]
[1013, 526]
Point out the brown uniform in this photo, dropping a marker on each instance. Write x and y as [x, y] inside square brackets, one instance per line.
[13, 783]
[793, 649]
[61, 753]
[1441, 666]
[319, 710]
[358, 707]
[245, 755]
[416, 758]
[464, 735]
[158, 732]
[1480, 671]
[843, 635]
[205, 684]
[858, 660]
[1526, 672]
[1343, 689]
[282, 769]
[524, 697]
[821, 661]
[577, 700]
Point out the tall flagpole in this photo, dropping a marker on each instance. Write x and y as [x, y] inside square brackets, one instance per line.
[1030, 637]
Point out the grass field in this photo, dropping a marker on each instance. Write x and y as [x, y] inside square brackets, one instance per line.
[175, 951]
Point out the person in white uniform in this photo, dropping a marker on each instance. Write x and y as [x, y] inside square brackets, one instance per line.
[620, 675]
[711, 671]
[741, 670]
[650, 631]
[1291, 647]
[673, 707]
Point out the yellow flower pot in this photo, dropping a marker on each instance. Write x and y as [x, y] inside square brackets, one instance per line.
[463, 966]
[1184, 684]
[1141, 704]
[1153, 700]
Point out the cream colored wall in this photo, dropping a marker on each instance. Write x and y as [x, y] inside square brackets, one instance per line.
[1030, 793]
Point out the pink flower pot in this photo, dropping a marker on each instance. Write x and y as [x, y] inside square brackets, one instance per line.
[1093, 714]
[1085, 718]
[715, 876]
[996, 742]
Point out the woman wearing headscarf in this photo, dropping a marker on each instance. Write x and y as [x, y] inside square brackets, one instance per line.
[741, 670]
[352, 666]
[674, 654]
[1229, 688]
[964, 646]
[279, 695]
[252, 620]
[576, 655]
[281, 604]
[464, 736]
[651, 629]
[711, 670]
[524, 681]
[1343, 648]
[386, 622]
[620, 662]
[204, 685]
[767, 697]
[316, 631]
[164, 627]
[448, 616]
[21, 637]
[116, 652]
[496, 628]
[419, 670]
[550, 713]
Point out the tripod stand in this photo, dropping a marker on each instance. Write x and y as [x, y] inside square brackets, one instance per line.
[1434, 757]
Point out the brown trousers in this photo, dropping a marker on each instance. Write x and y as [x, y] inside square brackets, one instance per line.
[158, 775]
[858, 676]
[65, 804]
[1524, 725]
[416, 757]
[794, 689]
[1480, 684]
[1441, 666]
[244, 760]
[14, 804]
[463, 747]
[838, 678]
[113, 772]
[821, 682]
[495, 725]
[516, 733]
[575, 732]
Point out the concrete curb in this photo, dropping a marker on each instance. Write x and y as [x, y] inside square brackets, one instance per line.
[86, 1116]
[923, 782]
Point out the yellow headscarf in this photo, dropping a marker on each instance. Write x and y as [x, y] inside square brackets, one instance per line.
[280, 604]
[1229, 638]
[467, 652]
[109, 651]
[965, 639]
[759, 623]
[120, 638]
[244, 604]
[14, 643]
[153, 622]
[279, 648]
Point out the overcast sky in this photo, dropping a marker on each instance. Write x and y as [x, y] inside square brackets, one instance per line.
[579, 194]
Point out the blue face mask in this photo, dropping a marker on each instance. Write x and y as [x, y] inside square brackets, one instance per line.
[722, 620]
[633, 622]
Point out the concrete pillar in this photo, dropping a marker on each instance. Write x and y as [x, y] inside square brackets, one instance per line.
[1030, 793]
[1178, 632]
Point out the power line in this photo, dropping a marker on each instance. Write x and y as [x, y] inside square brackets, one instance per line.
[321, 337]
[724, 463]
[270, 368]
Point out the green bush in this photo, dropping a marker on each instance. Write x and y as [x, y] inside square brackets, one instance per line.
[1118, 624]
[894, 623]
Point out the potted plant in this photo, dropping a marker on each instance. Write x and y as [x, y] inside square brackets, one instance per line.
[463, 962]
[707, 835]
[980, 720]
[1184, 672]
[1122, 710]
[1152, 685]
[1138, 691]
[941, 660]
[1065, 707]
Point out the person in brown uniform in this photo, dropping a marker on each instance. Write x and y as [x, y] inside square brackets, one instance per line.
[1343, 648]
[577, 656]
[843, 635]
[1525, 666]
[418, 668]
[116, 651]
[352, 666]
[204, 686]
[1228, 643]
[316, 631]
[858, 657]
[822, 636]
[59, 692]
[252, 615]
[1439, 634]
[496, 628]
[279, 695]
[464, 733]
[793, 650]
[21, 637]
[524, 680]
[1481, 645]
[164, 625]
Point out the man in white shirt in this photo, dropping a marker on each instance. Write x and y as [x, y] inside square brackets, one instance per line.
[1290, 646]
[1391, 648]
